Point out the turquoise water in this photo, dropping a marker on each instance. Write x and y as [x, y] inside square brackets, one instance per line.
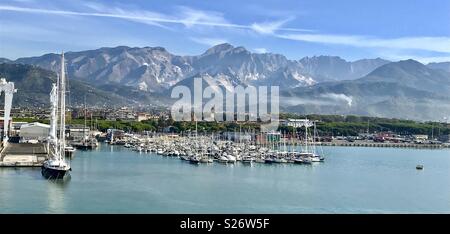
[113, 179]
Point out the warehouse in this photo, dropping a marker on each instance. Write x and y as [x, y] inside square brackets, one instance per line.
[34, 131]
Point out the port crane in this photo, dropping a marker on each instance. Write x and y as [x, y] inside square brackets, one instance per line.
[8, 88]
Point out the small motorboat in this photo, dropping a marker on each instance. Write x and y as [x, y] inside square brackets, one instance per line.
[297, 160]
[419, 167]
[269, 160]
[69, 151]
[204, 160]
[280, 160]
[194, 159]
[223, 159]
[184, 158]
[259, 160]
[231, 158]
[247, 159]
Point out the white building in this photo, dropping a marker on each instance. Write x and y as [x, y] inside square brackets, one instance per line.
[296, 123]
[34, 131]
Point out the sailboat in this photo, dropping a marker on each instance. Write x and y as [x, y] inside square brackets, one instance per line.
[316, 157]
[88, 142]
[56, 166]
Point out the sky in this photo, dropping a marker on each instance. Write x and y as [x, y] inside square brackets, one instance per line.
[351, 29]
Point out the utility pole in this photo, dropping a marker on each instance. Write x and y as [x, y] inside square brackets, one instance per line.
[368, 126]
[432, 131]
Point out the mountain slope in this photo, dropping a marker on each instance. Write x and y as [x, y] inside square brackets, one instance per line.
[4, 60]
[333, 68]
[443, 66]
[147, 68]
[33, 86]
[405, 89]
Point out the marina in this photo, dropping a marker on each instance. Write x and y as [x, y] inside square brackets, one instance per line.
[208, 149]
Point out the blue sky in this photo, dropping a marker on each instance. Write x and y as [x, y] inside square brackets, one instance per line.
[351, 29]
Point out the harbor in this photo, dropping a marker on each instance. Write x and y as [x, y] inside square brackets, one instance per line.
[115, 179]
[59, 165]
[218, 147]
[303, 166]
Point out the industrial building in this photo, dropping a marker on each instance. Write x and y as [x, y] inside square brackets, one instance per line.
[34, 131]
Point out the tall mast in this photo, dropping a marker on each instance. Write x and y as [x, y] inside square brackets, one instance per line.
[306, 135]
[314, 138]
[53, 117]
[85, 113]
[62, 101]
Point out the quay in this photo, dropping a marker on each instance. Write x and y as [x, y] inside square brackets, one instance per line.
[23, 155]
[383, 144]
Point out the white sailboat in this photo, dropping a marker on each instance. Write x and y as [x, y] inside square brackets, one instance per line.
[316, 157]
[56, 166]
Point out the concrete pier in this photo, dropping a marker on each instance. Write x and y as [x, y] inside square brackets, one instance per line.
[379, 144]
[23, 155]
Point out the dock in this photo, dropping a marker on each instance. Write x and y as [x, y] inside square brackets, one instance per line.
[383, 144]
[23, 155]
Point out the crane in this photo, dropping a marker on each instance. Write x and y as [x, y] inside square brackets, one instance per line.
[8, 88]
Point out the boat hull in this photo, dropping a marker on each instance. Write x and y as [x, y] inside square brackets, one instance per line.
[269, 161]
[204, 160]
[85, 147]
[298, 161]
[51, 173]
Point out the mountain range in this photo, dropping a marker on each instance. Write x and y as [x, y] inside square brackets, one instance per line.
[404, 89]
[154, 69]
[319, 84]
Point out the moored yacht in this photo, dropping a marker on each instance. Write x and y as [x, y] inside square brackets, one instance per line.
[69, 151]
[194, 159]
[269, 160]
[231, 158]
[247, 159]
[223, 159]
[56, 166]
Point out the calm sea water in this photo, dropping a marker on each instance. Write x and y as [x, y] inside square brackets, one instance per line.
[113, 179]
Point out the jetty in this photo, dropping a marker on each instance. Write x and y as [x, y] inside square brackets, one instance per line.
[23, 155]
[384, 144]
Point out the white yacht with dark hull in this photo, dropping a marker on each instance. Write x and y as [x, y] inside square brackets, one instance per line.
[56, 167]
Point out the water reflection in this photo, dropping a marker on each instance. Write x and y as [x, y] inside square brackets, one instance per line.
[352, 180]
[33, 172]
[56, 194]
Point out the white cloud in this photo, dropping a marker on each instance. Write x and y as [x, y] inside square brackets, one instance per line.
[437, 44]
[269, 27]
[208, 41]
[190, 17]
[135, 15]
[260, 50]
[24, 1]
[186, 16]
[324, 100]
[338, 97]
